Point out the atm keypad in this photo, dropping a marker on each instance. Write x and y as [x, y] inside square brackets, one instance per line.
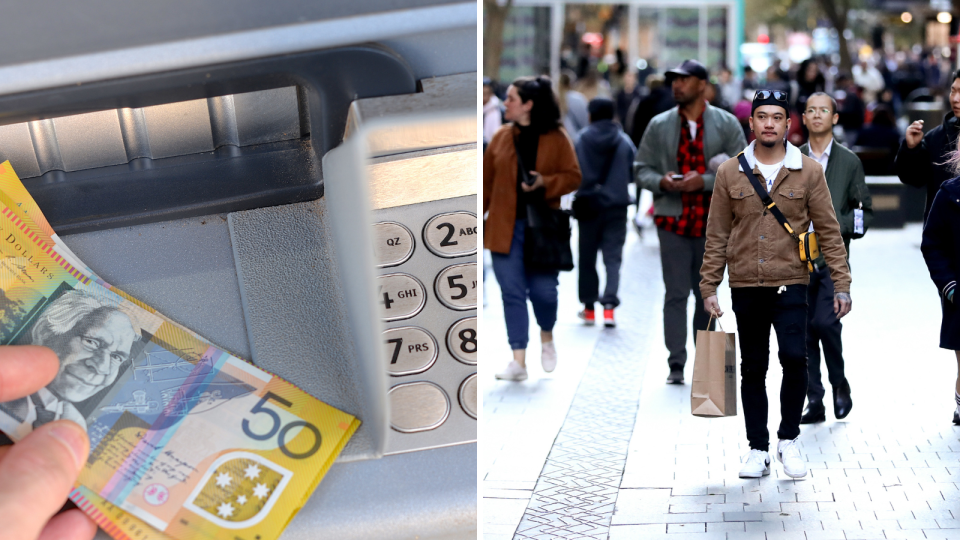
[428, 300]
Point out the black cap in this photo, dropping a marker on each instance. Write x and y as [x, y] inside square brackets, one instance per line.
[689, 68]
[600, 108]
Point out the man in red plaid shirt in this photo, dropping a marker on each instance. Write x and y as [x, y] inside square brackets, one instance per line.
[673, 162]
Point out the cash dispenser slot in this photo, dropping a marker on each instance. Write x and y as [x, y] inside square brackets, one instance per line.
[153, 179]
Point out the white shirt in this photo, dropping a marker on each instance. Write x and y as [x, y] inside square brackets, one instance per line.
[823, 158]
[693, 128]
[770, 172]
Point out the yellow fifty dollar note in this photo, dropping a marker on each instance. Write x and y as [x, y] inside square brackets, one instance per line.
[186, 437]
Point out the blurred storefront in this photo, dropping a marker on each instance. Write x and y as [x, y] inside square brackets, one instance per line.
[541, 35]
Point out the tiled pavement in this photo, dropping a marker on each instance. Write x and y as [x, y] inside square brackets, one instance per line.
[890, 470]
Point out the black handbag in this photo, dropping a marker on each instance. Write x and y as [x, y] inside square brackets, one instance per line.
[546, 241]
[587, 205]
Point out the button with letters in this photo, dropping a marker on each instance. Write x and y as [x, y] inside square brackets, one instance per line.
[462, 340]
[451, 235]
[468, 395]
[392, 244]
[400, 296]
[419, 406]
[456, 286]
[410, 350]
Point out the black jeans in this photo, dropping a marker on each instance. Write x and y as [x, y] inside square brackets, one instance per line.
[757, 308]
[606, 233]
[681, 258]
[823, 327]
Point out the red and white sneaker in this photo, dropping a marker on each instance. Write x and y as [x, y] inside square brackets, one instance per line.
[608, 318]
[588, 316]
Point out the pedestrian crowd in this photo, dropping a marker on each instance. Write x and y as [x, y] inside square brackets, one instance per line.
[769, 190]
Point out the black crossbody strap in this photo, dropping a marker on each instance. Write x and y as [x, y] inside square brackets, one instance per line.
[765, 197]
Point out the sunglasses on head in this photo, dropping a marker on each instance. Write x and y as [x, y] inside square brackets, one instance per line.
[765, 94]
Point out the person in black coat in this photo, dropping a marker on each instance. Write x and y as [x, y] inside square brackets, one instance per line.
[941, 251]
[921, 159]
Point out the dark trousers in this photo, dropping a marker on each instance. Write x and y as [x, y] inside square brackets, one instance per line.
[607, 233]
[757, 308]
[517, 284]
[824, 327]
[681, 258]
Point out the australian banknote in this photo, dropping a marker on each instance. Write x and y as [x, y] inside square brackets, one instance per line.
[186, 438]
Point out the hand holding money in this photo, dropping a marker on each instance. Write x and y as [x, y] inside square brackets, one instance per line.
[37, 473]
[188, 441]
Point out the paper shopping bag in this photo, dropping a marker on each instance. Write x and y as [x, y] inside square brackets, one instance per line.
[714, 390]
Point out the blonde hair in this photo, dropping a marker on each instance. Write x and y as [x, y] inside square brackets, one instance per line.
[953, 163]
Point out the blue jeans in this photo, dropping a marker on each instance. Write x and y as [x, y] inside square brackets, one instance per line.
[517, 284]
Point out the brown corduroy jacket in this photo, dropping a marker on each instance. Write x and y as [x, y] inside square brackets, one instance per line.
[745, 237]
[556, 162]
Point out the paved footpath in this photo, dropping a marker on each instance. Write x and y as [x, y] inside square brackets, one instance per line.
[602, 448]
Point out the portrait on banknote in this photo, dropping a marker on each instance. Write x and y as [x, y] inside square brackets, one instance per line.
[96, 340]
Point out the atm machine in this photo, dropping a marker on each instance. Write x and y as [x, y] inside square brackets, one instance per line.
[296, 182]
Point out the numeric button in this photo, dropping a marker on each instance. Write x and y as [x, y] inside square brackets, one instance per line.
[419, 406]
[400, 296]
[451, 235]
[392, 244]
[456, 286]
[462, 340]
[468, 396]
[410, 350]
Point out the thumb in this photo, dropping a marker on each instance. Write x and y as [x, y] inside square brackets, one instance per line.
[37, 474]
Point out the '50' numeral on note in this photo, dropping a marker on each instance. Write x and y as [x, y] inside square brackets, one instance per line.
[276, 427]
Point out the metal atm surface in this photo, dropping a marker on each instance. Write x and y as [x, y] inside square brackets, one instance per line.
[159, 186]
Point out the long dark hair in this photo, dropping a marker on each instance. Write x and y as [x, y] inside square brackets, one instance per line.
[545, 114]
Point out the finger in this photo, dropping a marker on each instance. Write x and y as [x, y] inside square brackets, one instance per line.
[37, 474]
[25, 369]
[4, 450]
[836, 305]
[70, 525]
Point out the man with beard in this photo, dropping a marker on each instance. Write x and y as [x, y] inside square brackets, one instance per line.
[768, 281]
[672, 163]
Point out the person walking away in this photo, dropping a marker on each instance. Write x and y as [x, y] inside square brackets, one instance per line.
[672, 163]
[573, 106]
[768, 281]
[922, 158]
[492, 114]
[941, 251]
[854, 210]
[606, 155]
[533, 145]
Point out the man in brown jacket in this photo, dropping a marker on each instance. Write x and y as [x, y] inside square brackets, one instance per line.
[768, 281]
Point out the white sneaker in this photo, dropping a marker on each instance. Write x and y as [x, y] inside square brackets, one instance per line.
[788, 452]
[548, 357]
[755, 464]
[513, 372]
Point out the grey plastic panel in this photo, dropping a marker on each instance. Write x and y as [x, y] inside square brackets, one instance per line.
[184, 268]
[434, 54]
[295, 309]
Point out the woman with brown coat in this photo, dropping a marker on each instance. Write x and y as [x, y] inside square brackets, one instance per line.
[549, 161]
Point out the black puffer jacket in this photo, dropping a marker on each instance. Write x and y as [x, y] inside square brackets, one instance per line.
[922, 166]
[941, 251]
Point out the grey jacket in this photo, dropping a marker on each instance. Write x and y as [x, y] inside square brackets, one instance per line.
[657, 154]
